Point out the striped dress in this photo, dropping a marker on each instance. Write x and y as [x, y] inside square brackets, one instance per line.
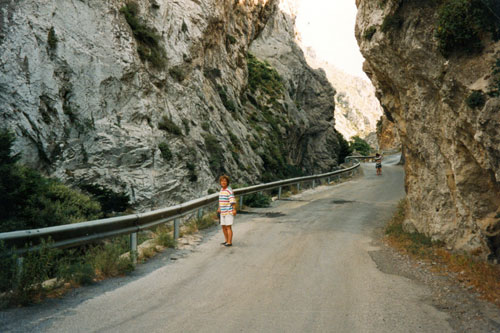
[226, 198]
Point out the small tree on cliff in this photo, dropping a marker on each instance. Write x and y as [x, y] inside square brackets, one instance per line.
[360, 145]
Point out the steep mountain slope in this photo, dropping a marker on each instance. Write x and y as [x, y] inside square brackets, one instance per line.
[357, 108]
[436, 75]
[153, 98]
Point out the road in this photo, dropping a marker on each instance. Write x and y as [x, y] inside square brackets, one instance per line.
[302, 265]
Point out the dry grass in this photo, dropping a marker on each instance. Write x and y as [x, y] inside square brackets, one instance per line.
[147, 252]
[196, 224]
[466, 269]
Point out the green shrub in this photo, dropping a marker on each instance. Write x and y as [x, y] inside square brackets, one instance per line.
[476, 99]
[166, 124]
[185, 122]
[192, 175]
[164, 237]
[7, 269]
[257, 200]
[205, 126]
[344, 149]
[391, 22]
[166, 153]
[29, 201]
[231, 39]
[261, 76]
[215, 153]
[254, 145]
[149, 48]
[462, 22]
[196, 224]
[111, 201]
[75, 268]
[52, 38]
[369, 32]
[234, 141]
[226, 101]
[106, 260]
[35, 269]
[177, 73]
[360, 145]
[494, 88]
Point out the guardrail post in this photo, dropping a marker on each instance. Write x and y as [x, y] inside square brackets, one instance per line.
[133, 247]
[298, 186]
[241, 202]
[177, 223]
[328, 180]
[279, 193]
[314, 183]
[200, 213]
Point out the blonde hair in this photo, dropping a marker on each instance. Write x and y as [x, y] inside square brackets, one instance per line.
[226, 177]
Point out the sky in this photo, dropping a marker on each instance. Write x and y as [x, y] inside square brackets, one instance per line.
[327, 26]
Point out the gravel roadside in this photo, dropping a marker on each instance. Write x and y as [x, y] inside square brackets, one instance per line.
[468, 313]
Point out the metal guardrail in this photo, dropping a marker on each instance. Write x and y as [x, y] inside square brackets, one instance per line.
[75, 234]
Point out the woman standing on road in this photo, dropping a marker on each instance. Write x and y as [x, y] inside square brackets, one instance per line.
[378, 164]
[227, 209]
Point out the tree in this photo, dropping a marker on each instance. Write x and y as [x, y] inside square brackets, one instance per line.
[360, 145]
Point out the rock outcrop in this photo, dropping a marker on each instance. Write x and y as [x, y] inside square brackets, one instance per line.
[387, 134]
[452, 146]
[154, 100]
[357, 109]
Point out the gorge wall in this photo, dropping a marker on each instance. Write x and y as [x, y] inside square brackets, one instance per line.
[156, 100]
[357, 109]
[447, 113]
[387, 134]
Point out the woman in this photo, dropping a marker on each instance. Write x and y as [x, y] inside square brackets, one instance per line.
[378, 164]
[227, 209]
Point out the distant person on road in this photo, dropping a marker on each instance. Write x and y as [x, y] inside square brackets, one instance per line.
[227, 209]
[378, 164]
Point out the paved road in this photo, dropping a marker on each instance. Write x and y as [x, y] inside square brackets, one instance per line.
[305, 267]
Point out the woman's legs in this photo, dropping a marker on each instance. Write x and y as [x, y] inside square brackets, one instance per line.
[224, 230]
[229, 231]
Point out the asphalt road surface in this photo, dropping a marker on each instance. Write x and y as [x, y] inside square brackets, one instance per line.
[302, 265]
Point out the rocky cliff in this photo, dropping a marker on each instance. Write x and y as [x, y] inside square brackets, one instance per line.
[156, 98]
[357, 108]
[387, 134]
[436, 75]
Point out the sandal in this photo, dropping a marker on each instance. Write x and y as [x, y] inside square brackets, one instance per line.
[223, 243]
[228, 244]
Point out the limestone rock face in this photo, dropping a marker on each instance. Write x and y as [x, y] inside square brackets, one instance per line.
[309, 96]
[452, 150]
[357, 108]
[86, 109]
[387, 134]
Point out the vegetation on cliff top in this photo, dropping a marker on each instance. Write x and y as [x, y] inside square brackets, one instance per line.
[462, 23]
